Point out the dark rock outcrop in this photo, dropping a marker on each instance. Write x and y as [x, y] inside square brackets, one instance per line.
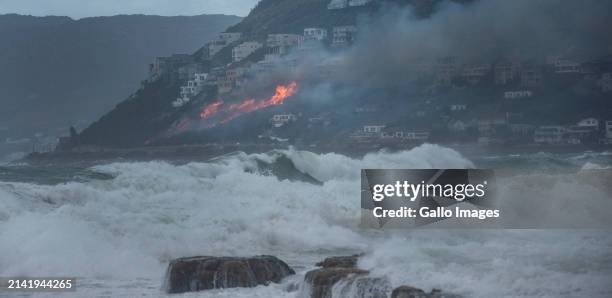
[340, 262]
[341, 276]
[410, 292]
[204, 273]
[322, 280]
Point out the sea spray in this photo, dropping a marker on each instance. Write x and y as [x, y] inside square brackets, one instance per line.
[124, 230]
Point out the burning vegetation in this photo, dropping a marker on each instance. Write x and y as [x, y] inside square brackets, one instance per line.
[220, 112]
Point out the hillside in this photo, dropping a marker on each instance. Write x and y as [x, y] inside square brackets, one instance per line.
[292, 16]
[403, 73]
[57, 71]
[269, 16]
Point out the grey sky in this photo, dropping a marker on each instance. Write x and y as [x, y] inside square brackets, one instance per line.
[88, 8]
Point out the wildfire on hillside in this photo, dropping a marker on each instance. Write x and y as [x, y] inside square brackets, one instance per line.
[220, 112]
[228, 112]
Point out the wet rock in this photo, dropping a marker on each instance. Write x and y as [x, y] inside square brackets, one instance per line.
[340, 262]
[362, 286]
[204, 273]
[321, 281]
[410, 292]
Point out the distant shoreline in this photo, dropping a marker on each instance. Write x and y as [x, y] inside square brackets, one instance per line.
[208, 151]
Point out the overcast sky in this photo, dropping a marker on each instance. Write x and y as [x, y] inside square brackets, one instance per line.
[87, 8]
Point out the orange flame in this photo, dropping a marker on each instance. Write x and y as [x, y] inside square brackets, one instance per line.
[210, 110]
[234, 110]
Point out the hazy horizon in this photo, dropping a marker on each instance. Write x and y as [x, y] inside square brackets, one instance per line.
[79, 9]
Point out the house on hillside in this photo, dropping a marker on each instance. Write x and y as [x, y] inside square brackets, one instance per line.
[227, 81]
[492, 125]
[187, 72]
[315, 34]
[280, 120]
[222, 41]
[446, 69]
[343, 36]
[458, 126]
[354, 3]
[531, 76]
[549, 134]
[419, 136]
[244, 50]
[368, 133]
[565, 66]
[521, 130]
[518, 94]
[505, 72]
[606, 82]
[609, 129]
[593, 69]
[282, 43]
[474, 74]
[589, 123]
[337, 4]
[458, 107]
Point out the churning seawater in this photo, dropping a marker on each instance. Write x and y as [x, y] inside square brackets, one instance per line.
[115, 226]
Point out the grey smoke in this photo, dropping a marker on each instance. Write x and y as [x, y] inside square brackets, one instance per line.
[482, 32]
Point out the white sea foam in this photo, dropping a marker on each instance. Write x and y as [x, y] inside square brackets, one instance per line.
[595, 166]
[127, 228]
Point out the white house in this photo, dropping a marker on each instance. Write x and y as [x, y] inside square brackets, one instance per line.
[316, 34]
[505, 72]
[531, 75]
[187, 91]
[458, 107]
[283, 40]
[392, 134]
[281, 43]
[566, 66]
[229, 37]
[222, 41]
[475, 73]
[457, 126]
[518, 94]
[343, 36]
[549, 134]
[446, 69]
[609, 129]
[245, 49]
[181, 101]
[358, 2]
[200, 79]
[416, 136]
[281, 119]
[373, 129]
[489, 125]
[337, 4]
[521, 130]
[590, 123]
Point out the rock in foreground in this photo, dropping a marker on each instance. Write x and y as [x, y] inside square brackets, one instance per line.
[410, 292]
[340, 278]
[340, 262]
[205, 273]
[321, 281]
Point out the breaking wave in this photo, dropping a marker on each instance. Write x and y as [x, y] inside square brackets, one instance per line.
[127, 220]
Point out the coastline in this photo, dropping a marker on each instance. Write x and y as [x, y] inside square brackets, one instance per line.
[204, 152]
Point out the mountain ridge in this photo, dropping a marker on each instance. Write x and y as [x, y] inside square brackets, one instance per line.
[59, 71]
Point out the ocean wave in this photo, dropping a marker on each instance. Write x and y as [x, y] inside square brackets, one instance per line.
[295, 204]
